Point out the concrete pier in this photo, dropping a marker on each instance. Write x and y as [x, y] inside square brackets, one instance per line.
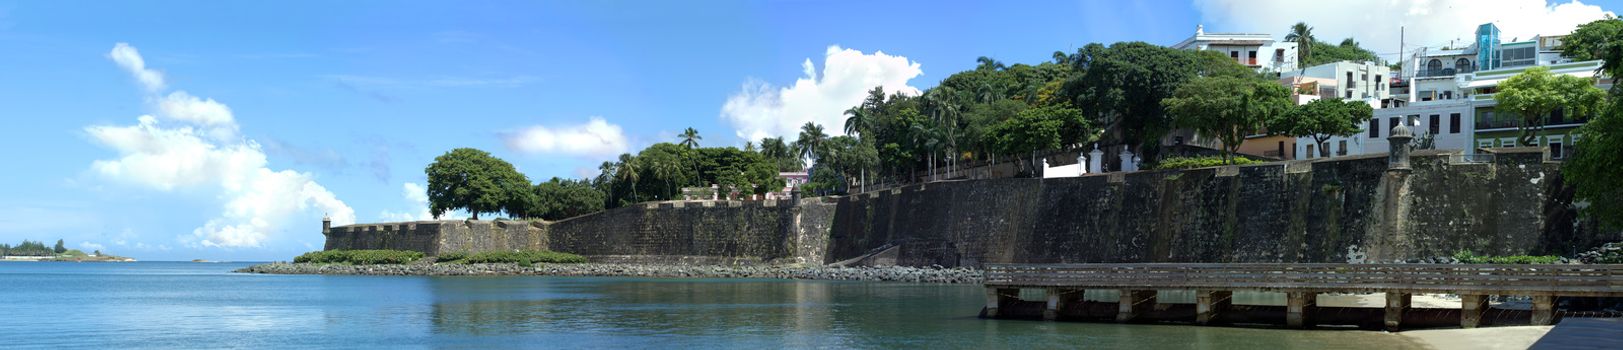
[1297, 308]
[1543, 310]
[1396, 304]
[1211, 303]
[996, 298]
[1133, 303]
[1472, 306]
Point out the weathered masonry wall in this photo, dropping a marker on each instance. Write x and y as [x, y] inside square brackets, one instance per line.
[1340, 210]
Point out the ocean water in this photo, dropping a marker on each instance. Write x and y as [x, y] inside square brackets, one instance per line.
[172, 305]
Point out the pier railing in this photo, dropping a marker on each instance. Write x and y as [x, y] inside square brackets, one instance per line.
[1558, 280]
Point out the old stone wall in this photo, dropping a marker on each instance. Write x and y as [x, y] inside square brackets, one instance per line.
[1348, 209]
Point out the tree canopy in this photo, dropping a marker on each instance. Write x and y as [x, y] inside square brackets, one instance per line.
[475, 181]
[1536, 93]
[1228, 108]
[1322, 119]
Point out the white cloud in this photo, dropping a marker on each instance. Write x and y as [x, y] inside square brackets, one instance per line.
[1375, 24]
[197, 154]
[595, 138]
[87, 245]
[761, 110]
[128, 58]
[183, 107]
[418, 197]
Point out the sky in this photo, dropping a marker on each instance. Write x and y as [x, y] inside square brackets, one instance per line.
[226, 130]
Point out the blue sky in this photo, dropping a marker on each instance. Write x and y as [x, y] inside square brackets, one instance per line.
[262, 116]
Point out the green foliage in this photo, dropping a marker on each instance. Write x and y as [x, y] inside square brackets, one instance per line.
[690, 138]
[29, 248]
[1302, 35]
[1466, 257]
[1322, 119]
[560, 198]
[1122, 87]
[59, 249]
[1348, 50]
[1228, 108]
[1037, 129]
[521, 257]
[1592, 168]
[1536, 92]
[1198, 162]
[359, 257]
[475, 181]
[1598, 40]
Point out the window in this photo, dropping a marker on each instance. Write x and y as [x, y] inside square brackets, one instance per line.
[1349, 94]
[1557, 116]
[1462, 65]
[1281, 149]
[1435, 67]
[1436, 123]
[1379, 84]
[1251, 57]
[1374, 128]
[1310, 151]
[1341, 150]
[1394, 122]
[1234, 54]
[1279, 55]
[1556, 152]
[1448, 95]
[1453, 123]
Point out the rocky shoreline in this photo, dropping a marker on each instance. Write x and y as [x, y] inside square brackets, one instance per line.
[886, 274]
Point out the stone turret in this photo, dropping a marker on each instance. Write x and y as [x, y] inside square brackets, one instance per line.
[326, 224]
[1398, 159]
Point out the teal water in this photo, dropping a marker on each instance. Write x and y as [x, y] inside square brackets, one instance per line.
[165, 305]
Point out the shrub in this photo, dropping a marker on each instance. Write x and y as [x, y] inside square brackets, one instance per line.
[522, 257]
[1466, 257]
[359, 257]
[1198, 162]
[452, 256]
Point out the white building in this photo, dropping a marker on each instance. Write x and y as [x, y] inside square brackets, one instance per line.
[1446, 95]
[1362, 81]
[1258, 51]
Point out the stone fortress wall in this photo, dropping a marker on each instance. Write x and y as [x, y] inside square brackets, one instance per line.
[1345, 209]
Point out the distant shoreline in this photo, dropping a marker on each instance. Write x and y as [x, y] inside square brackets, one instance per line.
[887, 274]
[16, 258]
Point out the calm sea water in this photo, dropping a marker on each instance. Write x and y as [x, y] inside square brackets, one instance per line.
[204, 305]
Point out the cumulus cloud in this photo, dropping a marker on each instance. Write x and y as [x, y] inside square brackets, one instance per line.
[1425, 23]
[128, 58]
[193, 148]
[761, 110]
[417, 195]
[87, 245]
[596, 138]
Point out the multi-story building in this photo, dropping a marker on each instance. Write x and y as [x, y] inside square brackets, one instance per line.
[1446, 97]
[1258, 51]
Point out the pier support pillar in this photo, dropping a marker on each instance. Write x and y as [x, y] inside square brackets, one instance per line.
[997, 297]
[1058, 299]
[1396, 304]
[1210, 303]
[1133, 303]
[1543, 310]
[1471, 308]
[1298, 306]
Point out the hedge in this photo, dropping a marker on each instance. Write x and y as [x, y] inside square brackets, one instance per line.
[359, 257]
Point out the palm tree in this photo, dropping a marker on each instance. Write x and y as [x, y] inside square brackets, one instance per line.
[928, 139]
[857, 122]
[1303, 36]
[810, 144]
[749, 146]
[690, 138]
[627, 173]
[987, 63]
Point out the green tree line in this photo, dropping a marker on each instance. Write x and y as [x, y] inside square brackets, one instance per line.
[32, 248]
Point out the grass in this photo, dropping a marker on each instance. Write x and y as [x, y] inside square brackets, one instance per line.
[1197, 162]
[521, 257]
[1466, 257]
[359, 257]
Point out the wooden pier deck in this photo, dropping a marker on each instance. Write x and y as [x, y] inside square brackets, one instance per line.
[1214, 284]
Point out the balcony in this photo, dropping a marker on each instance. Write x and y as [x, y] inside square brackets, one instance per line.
[1441, 72]
[1512, 123]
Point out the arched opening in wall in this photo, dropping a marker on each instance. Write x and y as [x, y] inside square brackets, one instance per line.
[1462, 65]
[1435, 67]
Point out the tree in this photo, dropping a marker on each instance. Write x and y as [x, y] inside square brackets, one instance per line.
[471, 179]
[1598, 40]
[811, 140]
[690, 138]
[987, 63]
[856, 121]
[1322, 119]
[560, 199]
[60, 248]
[1033, 130]
[1592, 169]
[1122, 88]
[1228, 108]
[628, 172]
[779, 152]
[1535, 93]
[1302, 35]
